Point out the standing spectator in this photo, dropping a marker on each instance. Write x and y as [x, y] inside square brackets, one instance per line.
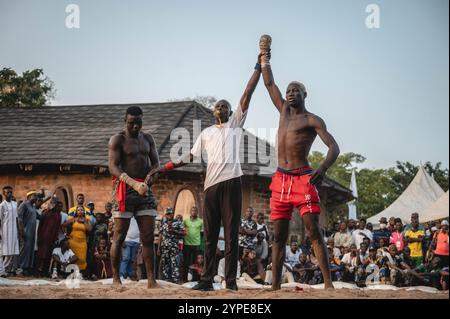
[80, 202]
[383, 233]
[62, 256]
[440, 241]
[397, 235]
[261, 248]
[414, 236]
[361, 232]
[79, 228]
[196, 268]
[91, 207]
[171, 232]
[351, 224]
[49, 227]
[343, 238]
[261, 227]
[102, 259]
[100, 229]
[129, 250]
[414, 220]
[392, 222]
[9, 233]
[27, 221]
[247, 232]
[192, 239]
[109, 220]
[336, 228]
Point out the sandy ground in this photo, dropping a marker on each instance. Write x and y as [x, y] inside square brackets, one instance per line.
[139, 291]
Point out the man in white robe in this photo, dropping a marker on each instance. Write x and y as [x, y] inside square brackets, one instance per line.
[9, 229]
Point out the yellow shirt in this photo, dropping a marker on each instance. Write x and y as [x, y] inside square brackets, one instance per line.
[416, 248]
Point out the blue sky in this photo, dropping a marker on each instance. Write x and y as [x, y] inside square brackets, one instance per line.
[382, 92]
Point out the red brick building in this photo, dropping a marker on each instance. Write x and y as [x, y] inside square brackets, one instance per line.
[64, 149]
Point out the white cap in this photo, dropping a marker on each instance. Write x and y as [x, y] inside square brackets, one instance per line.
[434, 228]
[444, 222]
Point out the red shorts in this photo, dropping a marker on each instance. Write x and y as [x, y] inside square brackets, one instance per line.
[292, 189]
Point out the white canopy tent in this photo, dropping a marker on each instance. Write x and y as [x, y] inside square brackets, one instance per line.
[417, 197]
[438, 210]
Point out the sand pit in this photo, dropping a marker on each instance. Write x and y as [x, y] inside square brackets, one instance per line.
[36, 289]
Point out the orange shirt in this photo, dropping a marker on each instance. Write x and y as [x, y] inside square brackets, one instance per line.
[442, 244]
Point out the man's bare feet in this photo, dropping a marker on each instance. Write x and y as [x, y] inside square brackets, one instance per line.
[117, 282]
[152, 284]
[329, 287]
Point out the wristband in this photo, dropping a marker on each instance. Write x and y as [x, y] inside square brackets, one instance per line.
[169, 166]
[258, 66]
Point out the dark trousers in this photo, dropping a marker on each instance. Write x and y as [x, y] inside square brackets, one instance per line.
[223, 202]
[189, 255]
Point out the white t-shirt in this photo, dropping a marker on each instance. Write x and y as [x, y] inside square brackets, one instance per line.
[358, 238]
[349, 259]
[65, 258]
[221, 242]
[221, 269]
[292, 258]
[222, 146]
[133, 231]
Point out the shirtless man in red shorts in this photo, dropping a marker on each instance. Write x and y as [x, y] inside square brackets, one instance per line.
[294, 183]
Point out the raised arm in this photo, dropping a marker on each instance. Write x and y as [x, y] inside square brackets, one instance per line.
[333, 149]
[269, 82]
[251, 86]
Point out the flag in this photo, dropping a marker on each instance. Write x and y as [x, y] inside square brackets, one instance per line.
[352, 213]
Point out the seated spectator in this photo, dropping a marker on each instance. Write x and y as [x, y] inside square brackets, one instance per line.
[286, 274]
[336, 252]
[261, 248]
[397, 235]
[392, 224]
[102, 260]
[350, 261]
[252, 268]
[220, 277]
[305, 246]
[62, 257]
[370, 265]
[336, 268]
[304, 270]
[196, 268]
[431, 274]
[292, 254]
[360, 233]
[381, 247]
[343, 238]
[393, 269]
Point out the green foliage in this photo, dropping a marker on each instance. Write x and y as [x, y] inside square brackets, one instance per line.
[31, 89]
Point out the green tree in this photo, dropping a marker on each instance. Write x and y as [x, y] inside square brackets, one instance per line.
[31, 89]
[404, 173]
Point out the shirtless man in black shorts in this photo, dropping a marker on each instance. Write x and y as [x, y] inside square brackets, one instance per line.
[132, 156]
